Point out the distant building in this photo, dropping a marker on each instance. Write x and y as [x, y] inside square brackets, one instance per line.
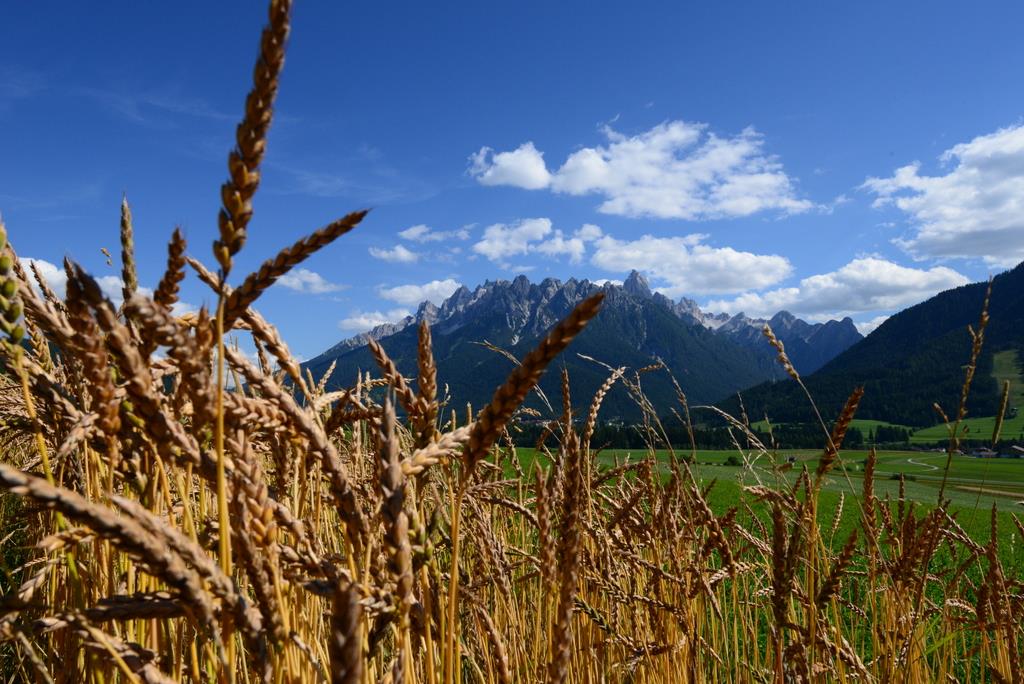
[984, 452]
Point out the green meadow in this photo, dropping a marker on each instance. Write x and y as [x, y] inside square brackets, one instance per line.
[973, 485]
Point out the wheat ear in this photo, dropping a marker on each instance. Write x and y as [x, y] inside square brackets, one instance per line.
[289, 257]
[345, 643]
[510, 395]
[251, 137]
[129, 275]
[166, 293]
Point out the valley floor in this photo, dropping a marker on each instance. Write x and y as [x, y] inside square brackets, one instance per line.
[973, 486]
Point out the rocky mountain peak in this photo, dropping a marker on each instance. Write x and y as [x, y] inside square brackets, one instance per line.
[714, 354]
[688, 305]
[783, 319]
[428, 311]
[521, 286]
[636, 284]
[528, 309]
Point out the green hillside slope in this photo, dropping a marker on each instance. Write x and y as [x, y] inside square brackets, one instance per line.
[917, 357]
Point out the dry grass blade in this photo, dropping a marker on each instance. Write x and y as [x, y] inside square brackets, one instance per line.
[509, 396]
[166, 293]
[402, 390]
[1001, 415]
[595, 406]
[129, 276]
[426, 387]
[345, 645]
[123, 532]
[134, 662]
[251, 138]
[568, 567]
[320, 445]
[831, 455]
[497, 645]
[289, 257]
[780, 348]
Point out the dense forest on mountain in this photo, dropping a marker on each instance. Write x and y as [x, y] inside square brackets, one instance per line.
[914, 359]
[630, 332]
[635, 328]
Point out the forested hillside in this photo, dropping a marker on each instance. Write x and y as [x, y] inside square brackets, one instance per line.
[914, 359]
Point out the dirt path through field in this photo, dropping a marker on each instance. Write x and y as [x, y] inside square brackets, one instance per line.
[922, 465]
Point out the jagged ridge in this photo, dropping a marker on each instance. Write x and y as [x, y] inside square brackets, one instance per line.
[712, 356]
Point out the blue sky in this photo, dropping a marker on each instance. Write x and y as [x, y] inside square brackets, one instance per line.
[827, 158]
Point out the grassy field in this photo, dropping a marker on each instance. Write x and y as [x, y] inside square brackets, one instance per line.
[864, 425]
[1006, 366]
[972, 482]
[973, 487]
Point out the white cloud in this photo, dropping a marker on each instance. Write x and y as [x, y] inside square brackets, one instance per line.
[866, 284]
[400, 254]
[867, 327]
[675, 170]
[559, 245]
[422, 233]
[974, 211]
[304, 280]
[416, 232]
[523, 167]
[501, 241]
[112, 286]
[361, 321]
[684, 265]
[529, 236]
[589, 232]
[54, 276]
[435, 291]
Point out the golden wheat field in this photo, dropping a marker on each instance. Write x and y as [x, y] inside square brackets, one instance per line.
[176, 513]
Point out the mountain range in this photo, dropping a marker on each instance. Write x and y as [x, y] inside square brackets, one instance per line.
[916, 358]
[711, 355]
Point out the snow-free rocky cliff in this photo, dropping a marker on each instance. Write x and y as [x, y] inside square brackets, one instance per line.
[712, 355]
